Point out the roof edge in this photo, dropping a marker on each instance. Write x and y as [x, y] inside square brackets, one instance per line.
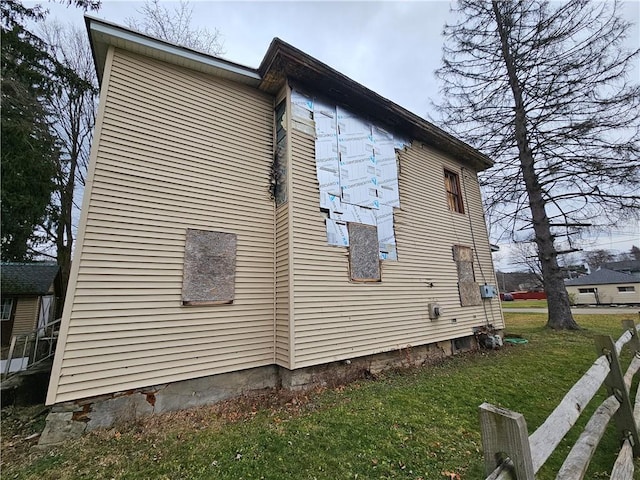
[103, 34]
[282, 58]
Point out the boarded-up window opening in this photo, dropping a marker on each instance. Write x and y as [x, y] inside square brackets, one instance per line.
[454, 195]
[364, 261]
[468, 289]
[209, 268]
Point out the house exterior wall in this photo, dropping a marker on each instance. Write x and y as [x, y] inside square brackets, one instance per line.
[282, 313]
[337, 319]
[26, 314]
[174, 149]
[606, 294]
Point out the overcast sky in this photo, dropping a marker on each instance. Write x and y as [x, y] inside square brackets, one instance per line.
[392, 48]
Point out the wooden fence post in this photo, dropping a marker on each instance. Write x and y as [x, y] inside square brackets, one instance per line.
[505, 432]
[625, 422]
[634, 343]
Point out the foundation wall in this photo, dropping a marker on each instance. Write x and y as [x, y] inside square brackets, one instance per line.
[71, 419]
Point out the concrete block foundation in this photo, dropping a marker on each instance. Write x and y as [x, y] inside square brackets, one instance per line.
[72, 419]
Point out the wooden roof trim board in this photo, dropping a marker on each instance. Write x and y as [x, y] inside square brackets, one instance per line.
[283, 62]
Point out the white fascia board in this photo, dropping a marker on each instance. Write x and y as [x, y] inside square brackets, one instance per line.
[103, 35]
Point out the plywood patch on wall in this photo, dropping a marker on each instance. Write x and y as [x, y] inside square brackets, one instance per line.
[364, 262]
[209, 268]
[467, 287]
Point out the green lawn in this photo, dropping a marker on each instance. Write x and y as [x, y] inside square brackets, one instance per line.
[415, 424]
[525, 304]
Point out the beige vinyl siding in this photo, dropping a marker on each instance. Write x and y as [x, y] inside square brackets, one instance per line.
[337, 319]
[606, 294]
[282, 285]
[176, 149]
[26, 314]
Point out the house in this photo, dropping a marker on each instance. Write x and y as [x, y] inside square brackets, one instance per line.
[630, 267]
[257, 225]
[605, 287]
[28, 297]
[519, 281]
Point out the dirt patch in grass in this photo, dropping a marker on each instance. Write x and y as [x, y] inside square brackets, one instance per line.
[272, 402]
[22, 426]
[21, 429]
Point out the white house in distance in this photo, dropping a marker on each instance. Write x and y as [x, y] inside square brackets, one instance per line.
[245, 227]
[605, 287]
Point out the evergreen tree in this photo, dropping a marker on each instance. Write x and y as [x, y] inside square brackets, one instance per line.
[28, 148]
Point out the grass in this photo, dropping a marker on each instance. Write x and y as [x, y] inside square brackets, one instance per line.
[525, 304]
[412, 424]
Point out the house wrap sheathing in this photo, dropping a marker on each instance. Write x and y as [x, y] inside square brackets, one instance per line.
[210, 243]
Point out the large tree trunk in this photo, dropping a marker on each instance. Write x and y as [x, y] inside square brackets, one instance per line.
[64, 230]
[560, 316]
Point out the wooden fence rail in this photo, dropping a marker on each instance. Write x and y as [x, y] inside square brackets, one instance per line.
[509, 454]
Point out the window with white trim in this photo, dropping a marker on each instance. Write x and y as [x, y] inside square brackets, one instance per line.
[7, 306]
[627, 289]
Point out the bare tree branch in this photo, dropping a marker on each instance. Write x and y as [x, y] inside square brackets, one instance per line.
[176, 26]
[543, 89]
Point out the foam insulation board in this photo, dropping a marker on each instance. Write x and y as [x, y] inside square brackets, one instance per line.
[390, 254]
[384, 150]
[384, 222]
[299, 112]
[380, 134]
[302, 112]
[388, 191]
[325, 118]
[400, 143]
[355, 146]
[356, 168]
[327, 147]
[364, 261]
[328, 174]
[353, 213]
[337, 233]
[386, 235]
[209, 268]
[301, 101]
[361, 192]
[328, 165]
[353, 169]
[304, 126]
[351, 124]
[331, 202]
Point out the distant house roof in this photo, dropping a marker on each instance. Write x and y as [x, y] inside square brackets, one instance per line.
[624, 266]
[27, 278]
[603, 276]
